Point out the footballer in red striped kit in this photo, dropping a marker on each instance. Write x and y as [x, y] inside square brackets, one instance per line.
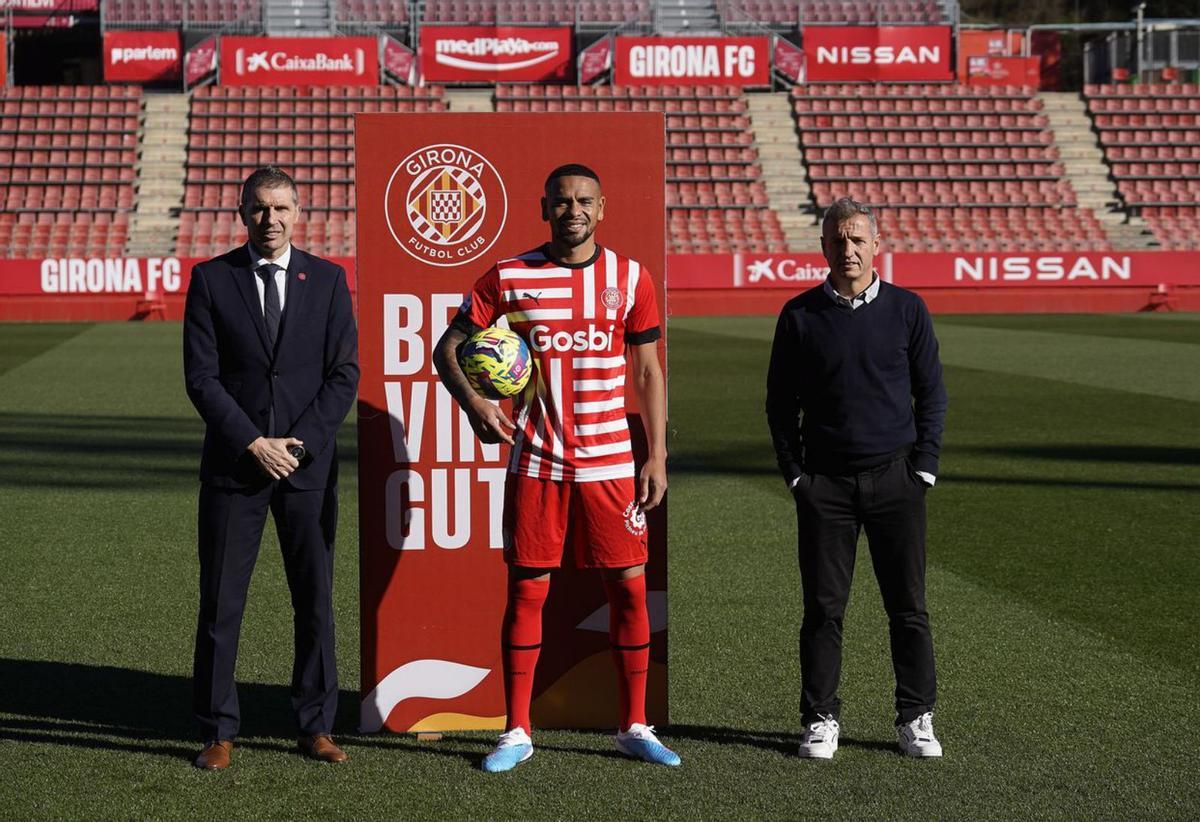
[581, 308]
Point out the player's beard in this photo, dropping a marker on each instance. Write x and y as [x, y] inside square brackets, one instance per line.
[570, 239]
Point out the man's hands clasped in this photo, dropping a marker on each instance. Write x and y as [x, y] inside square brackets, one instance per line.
[272, 455]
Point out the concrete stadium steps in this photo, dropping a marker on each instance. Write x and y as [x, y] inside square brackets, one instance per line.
[783, 168]
[162, 153]
[687, 17]
[463, 100]
[304, 18]
[1086, 171]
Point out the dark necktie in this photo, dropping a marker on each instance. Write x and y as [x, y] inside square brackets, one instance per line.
[270, 299]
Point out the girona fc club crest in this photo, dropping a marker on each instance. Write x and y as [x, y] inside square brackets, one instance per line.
[635, 519]
[445, 204]
[612, 299]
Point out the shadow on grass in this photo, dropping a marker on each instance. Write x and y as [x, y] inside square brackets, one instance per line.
[102, 707]
[110, 452]
[1095, 452]
[782, 742]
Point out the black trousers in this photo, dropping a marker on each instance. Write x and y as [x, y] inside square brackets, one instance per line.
[230, 529]
[889, 503]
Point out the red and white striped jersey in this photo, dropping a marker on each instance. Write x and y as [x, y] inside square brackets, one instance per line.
[576, 320]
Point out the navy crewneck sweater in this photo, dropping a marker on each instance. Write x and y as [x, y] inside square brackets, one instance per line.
[850, 389]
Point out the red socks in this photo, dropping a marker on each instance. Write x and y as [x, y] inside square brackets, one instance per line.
[520, 643]
[629, 634]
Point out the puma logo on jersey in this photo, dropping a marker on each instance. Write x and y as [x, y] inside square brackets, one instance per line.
[537, 298]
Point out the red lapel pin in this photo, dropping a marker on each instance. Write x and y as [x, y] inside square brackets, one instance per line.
[302, 275]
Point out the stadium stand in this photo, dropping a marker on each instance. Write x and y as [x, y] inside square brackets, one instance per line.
[716, 199]
[67, 156]
[952, 167]
[382, 13]
[190, 13]
[791, 13]
[224, 147]
[1150, 135]
[609, 12]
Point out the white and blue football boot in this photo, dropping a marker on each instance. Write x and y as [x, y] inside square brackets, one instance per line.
[641, 743]
[514, 747]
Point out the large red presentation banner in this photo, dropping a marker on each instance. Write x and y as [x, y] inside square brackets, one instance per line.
[430, 495]
[884, 54]
[142, 56]
[693, 61]
[300, 61]
[455, 54]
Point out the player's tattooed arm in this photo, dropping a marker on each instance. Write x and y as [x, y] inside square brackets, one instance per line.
[652, 397]
[487, 420]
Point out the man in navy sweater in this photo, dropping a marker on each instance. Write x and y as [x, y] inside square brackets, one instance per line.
[856, 406]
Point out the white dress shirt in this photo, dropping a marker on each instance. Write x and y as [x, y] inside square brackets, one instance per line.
[257, 261]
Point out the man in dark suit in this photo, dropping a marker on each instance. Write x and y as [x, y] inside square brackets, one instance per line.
[270, 357]
[856, 408]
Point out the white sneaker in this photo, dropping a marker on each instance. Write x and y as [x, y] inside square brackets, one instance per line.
[641, 743]
[917, 739]
[820, 739]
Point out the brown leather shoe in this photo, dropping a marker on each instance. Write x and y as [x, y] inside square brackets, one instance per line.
[322, 748]
[215, 756]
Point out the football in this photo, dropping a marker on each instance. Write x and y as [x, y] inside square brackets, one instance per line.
[496, 362]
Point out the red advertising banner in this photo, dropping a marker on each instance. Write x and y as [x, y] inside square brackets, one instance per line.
[789, 59]
[595, 60]
[943, 270]
[884, 54]
[142, 56]
[106, 276]
[693, 61]
[301, 61]
[398, 59]
[201, 61]
[3, 59]
[454, 54]
[1004, 71]
[29, 14]
[430, 495]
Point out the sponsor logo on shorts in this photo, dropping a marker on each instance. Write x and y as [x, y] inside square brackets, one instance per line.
[635, 519]
[611, 298]
[445, 204]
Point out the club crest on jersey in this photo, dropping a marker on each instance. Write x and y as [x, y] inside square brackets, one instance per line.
[635, 519]
[445, 204]
[611, 297]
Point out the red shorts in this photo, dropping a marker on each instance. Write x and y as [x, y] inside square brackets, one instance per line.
[600, 521]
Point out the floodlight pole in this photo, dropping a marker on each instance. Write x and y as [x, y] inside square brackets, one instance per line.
[1140, 9]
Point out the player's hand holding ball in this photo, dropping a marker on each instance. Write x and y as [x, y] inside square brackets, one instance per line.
[497, 364]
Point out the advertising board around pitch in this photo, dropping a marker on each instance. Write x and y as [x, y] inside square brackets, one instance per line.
[440, 199]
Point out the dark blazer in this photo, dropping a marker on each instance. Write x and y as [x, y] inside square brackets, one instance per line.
[234, 378]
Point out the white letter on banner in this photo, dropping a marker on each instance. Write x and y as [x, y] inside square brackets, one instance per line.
[441, 504]
[495, 478]
[50, 279]
[396, 333]
[965, 268]
[171, 280]
[407, 429]
[405, 523]
[443, 307]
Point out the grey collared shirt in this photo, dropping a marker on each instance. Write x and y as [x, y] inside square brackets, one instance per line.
[861, 298]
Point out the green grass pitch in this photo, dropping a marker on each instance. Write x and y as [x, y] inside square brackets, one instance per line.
[1064, 583]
